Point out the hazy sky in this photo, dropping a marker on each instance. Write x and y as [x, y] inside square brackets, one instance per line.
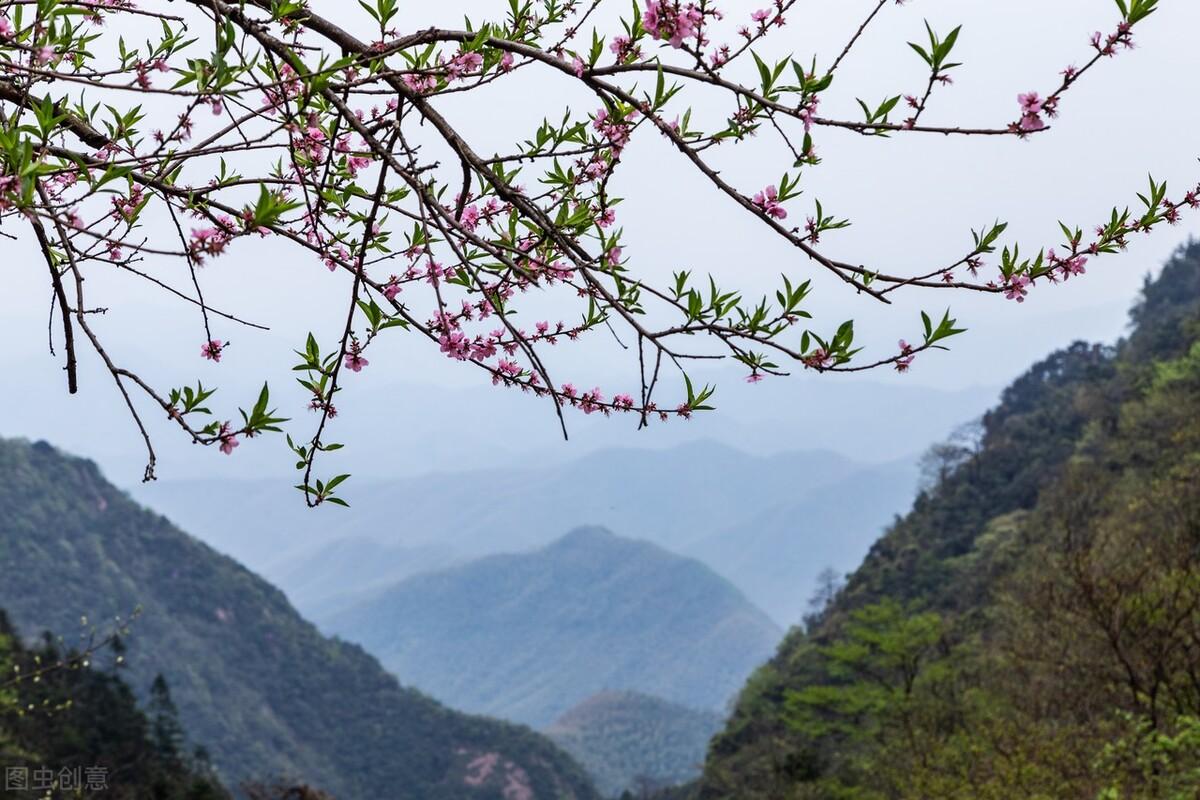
[913, 200]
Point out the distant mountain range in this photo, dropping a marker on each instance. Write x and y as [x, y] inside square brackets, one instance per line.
[768, 523]
[631, 741]
[255, 684]
[347, 571]
[527, 636]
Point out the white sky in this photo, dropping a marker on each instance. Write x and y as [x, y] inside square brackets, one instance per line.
[912, 199]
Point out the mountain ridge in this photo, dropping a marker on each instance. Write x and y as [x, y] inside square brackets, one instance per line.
[258, 686]
[1028, 628]
[527, 635]
[678, 498]
[630, 741]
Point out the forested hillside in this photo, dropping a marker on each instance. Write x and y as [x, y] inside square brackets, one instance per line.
[67, 727]
[255, 684]
[526, 636]
[1032, 627]
[633, 742]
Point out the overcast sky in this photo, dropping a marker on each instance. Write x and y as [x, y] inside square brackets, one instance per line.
[913, 200]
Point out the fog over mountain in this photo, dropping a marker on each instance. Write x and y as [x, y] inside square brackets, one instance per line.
[777, 514]
[526, 636]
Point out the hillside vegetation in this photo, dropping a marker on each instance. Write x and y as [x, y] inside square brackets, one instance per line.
[1032, 628]
[66, 727]
[633, 742]
[529, 635]
[255, 684]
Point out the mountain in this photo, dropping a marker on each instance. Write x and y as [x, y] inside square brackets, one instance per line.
[526, 636]
[631, 741]
[343, 572]
[255, 684]
[1030, 628]
[775, 554]
[691, 499]
[846, 405]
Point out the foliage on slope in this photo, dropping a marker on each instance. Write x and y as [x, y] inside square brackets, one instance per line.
[81, 726]
[1032, 627]
[631, 741]
[259, 687]
[526, 636]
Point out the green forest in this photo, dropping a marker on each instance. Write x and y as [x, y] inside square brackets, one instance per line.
[1032, 627]
[70, 728]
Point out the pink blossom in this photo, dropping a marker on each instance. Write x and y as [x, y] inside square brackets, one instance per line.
[470, 218]
[1016, 289]
[212, 349]
[1031, 110]
[207, 241]
[819, 359]
[589, 402]
[906, 357]
[455, 345]
[768, 201]
[463, 64]
[419, 84]
[331, 261]
[671, 20]
[354, 360]
[227, 438]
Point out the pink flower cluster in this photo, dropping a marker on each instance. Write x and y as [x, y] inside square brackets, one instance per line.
[1032, 108]
[1017, 288]
[143, 69]
[125, 207]
[617, 132]
[768, 201]
[310, 139]
[1108, 45]
[354, 360]
[624, 49]
[819, 359]
[463, 64]
[354, 163]
[207, 242]
[672, 20]
[227, 438]
[1067, 267]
